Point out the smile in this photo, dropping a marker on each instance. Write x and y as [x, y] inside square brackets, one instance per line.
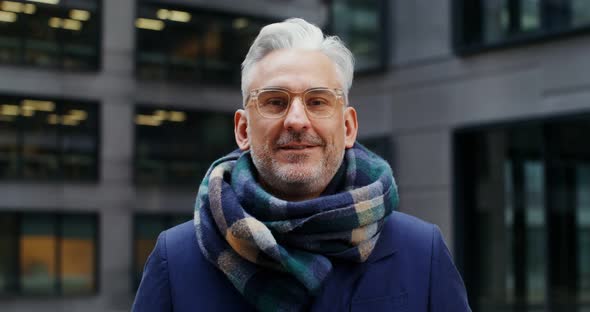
[295, 147]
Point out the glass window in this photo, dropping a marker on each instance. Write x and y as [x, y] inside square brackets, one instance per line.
[78, 255]
[380, 145]
[176, 146]
[490, 23]
[50, 34]
[46, 139]
[360, 25]
[48, 254]
[146, 229]
[180, 43]
[38, 254]
[8, 248]
[522, 195]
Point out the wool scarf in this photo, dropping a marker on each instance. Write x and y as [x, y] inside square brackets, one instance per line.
[278, 253]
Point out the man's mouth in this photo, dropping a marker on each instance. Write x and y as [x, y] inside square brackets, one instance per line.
[295, 146]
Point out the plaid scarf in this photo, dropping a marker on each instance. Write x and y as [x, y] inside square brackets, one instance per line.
[277, 253]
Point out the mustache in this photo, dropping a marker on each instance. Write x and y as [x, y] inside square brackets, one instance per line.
[299, 137]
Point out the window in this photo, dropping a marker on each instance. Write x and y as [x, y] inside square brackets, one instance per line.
[176, 147]
[146, 229]
[523, 208]
[177, 43]
[492, 23]
[361, 25]
[380, 145]
[48, 254]
[48, 139]
[51, 34]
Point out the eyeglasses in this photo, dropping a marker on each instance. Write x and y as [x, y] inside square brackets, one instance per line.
[275, 102]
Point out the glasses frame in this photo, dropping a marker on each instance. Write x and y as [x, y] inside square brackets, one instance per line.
[253, 96]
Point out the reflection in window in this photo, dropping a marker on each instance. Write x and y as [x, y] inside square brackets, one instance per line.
[523, 196]
[48, 139]
[146, 229]
[192, 44]
[359, 24]
[47, 254]
[177, 147]
[485, 23]
[62, 35]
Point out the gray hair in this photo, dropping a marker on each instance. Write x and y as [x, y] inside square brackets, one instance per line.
[298, 34]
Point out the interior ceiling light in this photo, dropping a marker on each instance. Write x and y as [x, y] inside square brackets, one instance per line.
[173, 15]
[45, 1]
[80, 15]
[240, 23]
[150, 24]
[12, 6]
[44, 106]
[71, 24]
[147, 120]
[7, 17]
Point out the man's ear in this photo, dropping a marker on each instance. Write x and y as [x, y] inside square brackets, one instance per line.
[241, 129]
[350, 127]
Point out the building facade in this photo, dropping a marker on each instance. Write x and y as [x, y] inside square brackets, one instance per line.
[110, 111]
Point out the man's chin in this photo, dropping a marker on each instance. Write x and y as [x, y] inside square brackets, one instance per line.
[296, 174]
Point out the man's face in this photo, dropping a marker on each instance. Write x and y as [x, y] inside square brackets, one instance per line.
[296, 155]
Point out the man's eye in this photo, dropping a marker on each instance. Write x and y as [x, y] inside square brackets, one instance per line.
[276, 102]
[317, 102]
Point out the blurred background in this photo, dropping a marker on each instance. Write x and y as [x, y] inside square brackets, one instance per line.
[112, 110]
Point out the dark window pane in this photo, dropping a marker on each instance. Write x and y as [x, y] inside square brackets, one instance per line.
[177, 146]
[182, 43]
[44, 139]
[583, 229]
[78, 255]
[523, 195]
[79, 141]
[380, 145]
[40, 139]
[64, 35]
[358, 23]
[40, 39]
[38, 250]
[9, 136]
[8, 248]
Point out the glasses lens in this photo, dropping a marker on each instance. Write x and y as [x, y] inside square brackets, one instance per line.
[320, 103]
[272, 103]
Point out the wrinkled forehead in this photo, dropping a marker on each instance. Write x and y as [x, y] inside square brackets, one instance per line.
[296, 70]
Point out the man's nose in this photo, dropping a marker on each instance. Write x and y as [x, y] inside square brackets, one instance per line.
[296, 118]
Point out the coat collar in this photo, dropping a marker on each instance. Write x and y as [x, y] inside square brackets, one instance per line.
[385, 246]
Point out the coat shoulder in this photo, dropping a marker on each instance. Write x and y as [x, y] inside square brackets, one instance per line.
[411, 233]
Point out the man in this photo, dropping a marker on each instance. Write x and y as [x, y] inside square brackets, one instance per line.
[301, 218]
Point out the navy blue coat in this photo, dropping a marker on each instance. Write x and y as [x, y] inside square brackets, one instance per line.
[410, 269]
